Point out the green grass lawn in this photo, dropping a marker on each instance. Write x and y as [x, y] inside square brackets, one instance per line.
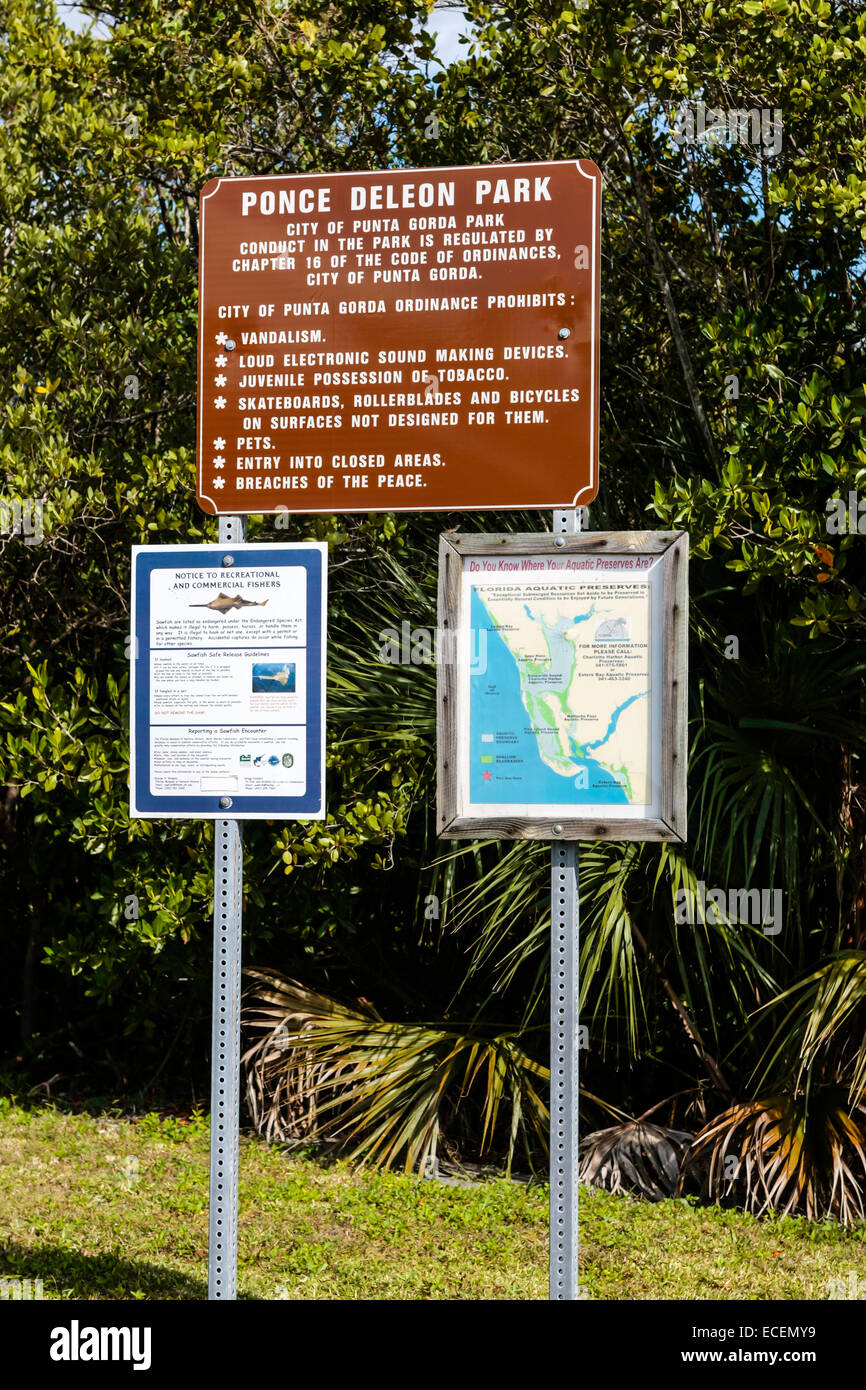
[102, 1207]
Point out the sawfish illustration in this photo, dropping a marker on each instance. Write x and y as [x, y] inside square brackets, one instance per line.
[223, 602]
[284, 675]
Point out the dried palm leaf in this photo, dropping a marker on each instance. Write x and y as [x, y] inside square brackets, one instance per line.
[382, 1090]
[788, 1154]
[634, 1157]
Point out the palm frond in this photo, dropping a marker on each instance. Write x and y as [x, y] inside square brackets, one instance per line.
[634, 1157]
[383, 1090]
[610, 972]
[750, 802]
[721, 948]
[823, 1027]
[785, 1153]
[761, 794]
[505, 912]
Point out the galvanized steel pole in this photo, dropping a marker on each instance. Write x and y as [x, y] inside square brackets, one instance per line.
[564, 1052]
[226, 1034]
[564, 1088]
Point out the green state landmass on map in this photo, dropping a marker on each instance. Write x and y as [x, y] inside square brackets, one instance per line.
[621, 773]
[537, 703]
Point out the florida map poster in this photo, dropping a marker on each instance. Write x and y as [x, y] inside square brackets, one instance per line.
[562, 658]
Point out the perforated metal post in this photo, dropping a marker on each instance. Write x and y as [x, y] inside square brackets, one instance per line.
[226, 1034]
[570, 520]
[564, 1052]
[564, 1093]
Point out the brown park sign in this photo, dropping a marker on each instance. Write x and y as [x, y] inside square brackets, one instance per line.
[411, 339]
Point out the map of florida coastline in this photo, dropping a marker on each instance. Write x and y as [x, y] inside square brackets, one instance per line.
[579, 653]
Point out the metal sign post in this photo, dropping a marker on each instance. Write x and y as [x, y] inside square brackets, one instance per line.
[564, 1053]
[227, 719]
[222, 1262]
[564, 1081]
[575, 769]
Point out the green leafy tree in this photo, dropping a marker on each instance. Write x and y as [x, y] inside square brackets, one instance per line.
[105, 143]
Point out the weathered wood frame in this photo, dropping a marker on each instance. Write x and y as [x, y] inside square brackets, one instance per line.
[673, 547]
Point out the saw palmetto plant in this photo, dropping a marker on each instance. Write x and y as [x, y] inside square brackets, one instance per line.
[637, 1157]
[387, 1092]
[801, 1148]
[788, 1153]
[669, 1005]
[823, 1028]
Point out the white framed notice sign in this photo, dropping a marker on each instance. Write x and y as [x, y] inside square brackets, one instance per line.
[227, 699]
[562, 686]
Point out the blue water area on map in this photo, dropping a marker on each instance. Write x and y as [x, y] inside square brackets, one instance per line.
[496, 707]
[614, 719]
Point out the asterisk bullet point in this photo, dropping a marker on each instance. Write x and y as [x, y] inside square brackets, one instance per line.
[220, 402]
[219, 482]
[220, 380]
[219, 461]
[219, 443]
[221, 338]
[221, 359]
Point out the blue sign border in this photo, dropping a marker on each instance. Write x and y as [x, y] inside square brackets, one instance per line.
[210, 557]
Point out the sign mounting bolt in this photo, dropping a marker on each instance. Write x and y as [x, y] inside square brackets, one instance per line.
[230, 343]
[562, 335]
[228, 560]
[557, 829]
[225, 803]
[559, 540]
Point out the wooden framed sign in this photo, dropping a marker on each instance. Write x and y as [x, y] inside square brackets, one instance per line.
[562, 686]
